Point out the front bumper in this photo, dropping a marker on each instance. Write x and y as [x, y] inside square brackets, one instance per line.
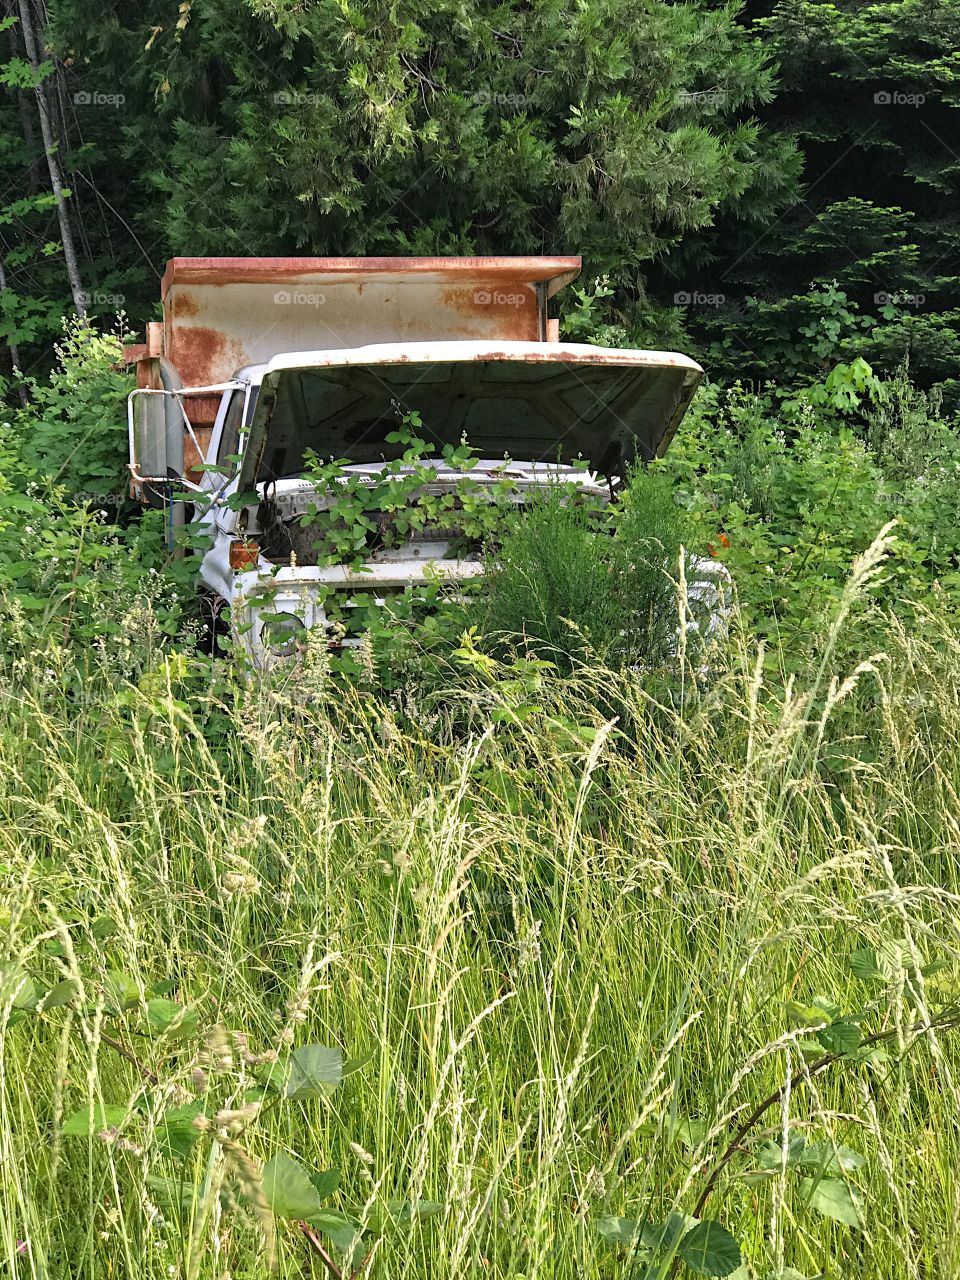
[301, 590]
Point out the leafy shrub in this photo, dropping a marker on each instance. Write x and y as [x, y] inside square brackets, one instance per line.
[76, 589]
[72, 430]
[73, 579]
[790, 489]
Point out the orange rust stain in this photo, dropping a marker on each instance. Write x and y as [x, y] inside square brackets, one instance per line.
[203, 354]
[185, 304]
[488, 307]
[148, 374]
[202, 410]
[221, 271]
[132, 354]
[191, 458]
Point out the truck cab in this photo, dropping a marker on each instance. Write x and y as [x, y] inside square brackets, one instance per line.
[261, 363]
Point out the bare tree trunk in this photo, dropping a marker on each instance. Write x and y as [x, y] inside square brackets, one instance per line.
[50, 145]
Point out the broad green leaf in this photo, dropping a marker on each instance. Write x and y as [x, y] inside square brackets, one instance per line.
[103, 1115]
[710, 1250]
[313, 1070]
[63, 993]
[863, 965]
[664, 1238]
[842, 1036]
[177, 1134]
[833, 1198]
[162, 988]
[691, 1132]
[806, 1015]
[826, 1157]
[18, 990]
[104, 927]
[288, 1190]
[401, 1213]
[874, 1054]
[30, 602]
[344, 1231]
[810, 1048]
[325, 1183]
[619, 1230]
[353, 1065]
[20, 502]
[122, 992]
[770, 1153]
[172, 1192]
[166, 1017]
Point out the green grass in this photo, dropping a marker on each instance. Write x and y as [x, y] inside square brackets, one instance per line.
[569, 945]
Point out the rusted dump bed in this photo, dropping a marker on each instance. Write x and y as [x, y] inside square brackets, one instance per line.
[220, 314]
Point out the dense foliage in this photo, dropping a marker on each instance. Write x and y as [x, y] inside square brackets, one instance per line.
[866, 253]
[773, 184]
[488, 982]
[327, 129]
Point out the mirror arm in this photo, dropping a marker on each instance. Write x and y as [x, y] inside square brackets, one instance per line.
[140, 480]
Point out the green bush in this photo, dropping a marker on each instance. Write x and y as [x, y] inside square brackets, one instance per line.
[73, 428]
[524, 1002]
[789, 490]
[75, 577]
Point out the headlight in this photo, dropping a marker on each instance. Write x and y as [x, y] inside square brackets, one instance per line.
[279, 632]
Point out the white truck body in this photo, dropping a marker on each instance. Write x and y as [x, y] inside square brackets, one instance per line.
[538, 411]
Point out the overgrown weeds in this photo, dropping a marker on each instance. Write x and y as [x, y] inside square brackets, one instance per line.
[554, 967]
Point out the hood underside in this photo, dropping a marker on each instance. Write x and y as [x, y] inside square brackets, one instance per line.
[528, 401]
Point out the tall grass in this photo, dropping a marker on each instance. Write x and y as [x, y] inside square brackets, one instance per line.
[563, 586]
[568, 941]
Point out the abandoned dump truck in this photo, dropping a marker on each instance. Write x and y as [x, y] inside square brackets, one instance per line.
[259, 361]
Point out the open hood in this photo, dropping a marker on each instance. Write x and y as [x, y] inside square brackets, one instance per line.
[530, 401]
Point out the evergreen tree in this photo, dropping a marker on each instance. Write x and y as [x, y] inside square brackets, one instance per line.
[610, 127]
[866, 260]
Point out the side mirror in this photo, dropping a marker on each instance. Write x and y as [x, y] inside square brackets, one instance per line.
[156, 426]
